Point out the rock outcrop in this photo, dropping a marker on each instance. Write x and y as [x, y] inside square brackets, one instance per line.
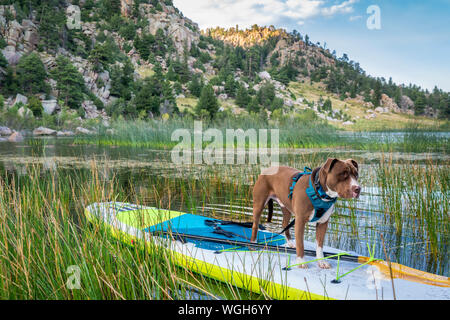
[51, 106]
[16, 137]
[389, 104]
[91, 111]
[181, 30]
[20, 99]
[126, 7]
[42, 131]
[81, 130]
[5, 131]
[21, 38]
[245, 38]
[406, 105]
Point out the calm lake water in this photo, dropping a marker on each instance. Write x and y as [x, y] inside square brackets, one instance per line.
[355, 224]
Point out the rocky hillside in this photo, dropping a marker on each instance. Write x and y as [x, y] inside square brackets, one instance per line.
[341, 76]
[68, 63]
[21, 37]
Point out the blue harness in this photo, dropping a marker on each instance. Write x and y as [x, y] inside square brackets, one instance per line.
[319, 199]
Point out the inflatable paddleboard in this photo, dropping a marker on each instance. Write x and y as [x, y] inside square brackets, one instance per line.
[222, 250]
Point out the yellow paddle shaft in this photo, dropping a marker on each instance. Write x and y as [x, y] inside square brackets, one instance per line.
[403, 272]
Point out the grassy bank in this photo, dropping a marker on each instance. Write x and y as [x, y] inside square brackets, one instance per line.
[299, 132]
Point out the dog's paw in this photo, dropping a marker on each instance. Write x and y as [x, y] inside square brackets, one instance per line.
[323, 264]
[300, 263]
[291, 244]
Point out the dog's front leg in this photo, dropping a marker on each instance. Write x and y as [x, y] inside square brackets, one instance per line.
[321, 229]
[299, 238]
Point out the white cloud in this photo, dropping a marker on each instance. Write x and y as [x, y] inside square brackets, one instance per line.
[228, 13]
[344, 7]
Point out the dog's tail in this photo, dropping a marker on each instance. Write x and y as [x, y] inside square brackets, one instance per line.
[270, 207]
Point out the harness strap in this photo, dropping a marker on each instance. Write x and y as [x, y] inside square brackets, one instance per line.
[297, 177]
[319, 199]
[315, 192]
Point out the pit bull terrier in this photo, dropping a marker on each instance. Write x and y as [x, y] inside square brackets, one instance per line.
[336, 178]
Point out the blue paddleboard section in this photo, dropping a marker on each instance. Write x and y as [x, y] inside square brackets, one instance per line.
[190, 224]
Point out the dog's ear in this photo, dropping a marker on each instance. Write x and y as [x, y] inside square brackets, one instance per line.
[354, 163]
[329, 164]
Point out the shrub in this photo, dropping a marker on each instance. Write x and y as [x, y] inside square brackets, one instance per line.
[35, 105]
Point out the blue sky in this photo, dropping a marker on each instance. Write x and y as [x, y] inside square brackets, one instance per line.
[412, 45]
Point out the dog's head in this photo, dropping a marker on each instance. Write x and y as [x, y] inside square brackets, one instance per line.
[339, 178]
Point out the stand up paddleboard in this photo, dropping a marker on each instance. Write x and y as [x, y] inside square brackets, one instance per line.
[222, 250]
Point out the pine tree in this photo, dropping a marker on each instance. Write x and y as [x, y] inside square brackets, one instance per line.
[52, 26]
[160, 48]
[196, 85]
[208, 102]
[183, 72]
[122, 80]
[327, 105]
[144, 45]
[69, 83]
[110, 8]
[266, 95]
[168, 101]
[252, 62]
[100, 56]
[10, 84]
[419, 104]
[253, 106]
[171, 74]
[148, 97]
[3, 61]
[31, 74]
[376, 93]
[445, 107]
[242, 97]
[307, 40]
[230, 86]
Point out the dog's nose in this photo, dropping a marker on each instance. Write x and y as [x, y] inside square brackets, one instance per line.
[357, 189]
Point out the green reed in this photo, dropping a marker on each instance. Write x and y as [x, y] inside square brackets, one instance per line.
[415, 204]
[43, 232]
[293, 133]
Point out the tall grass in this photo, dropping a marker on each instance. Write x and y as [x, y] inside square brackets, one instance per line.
[415, 204]
[158, 133]
[43, 233]
[293, 133]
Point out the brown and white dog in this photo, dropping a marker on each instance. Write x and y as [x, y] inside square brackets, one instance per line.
[338, 179]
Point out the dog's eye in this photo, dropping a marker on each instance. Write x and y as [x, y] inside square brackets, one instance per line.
[345, 174]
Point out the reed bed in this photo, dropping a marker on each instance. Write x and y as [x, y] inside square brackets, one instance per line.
[45, 238]
[293, 133]
[43, 231]
[415, 206]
